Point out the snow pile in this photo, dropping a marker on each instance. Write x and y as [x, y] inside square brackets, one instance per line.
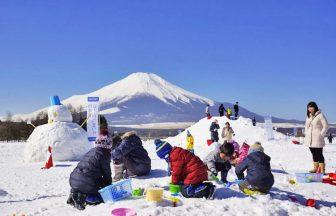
[243, 128]
[67, 140]
[59, 113]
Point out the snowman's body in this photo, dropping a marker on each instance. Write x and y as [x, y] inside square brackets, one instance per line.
[67, 139]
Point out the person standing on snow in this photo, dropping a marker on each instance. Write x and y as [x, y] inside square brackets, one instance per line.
[214, 127]
[330, 138]
[236, 110]
[221, 110]
[190, 142]
[316, 128]
[207, 111]
[228, 113]
[227, 132]
[254, 121]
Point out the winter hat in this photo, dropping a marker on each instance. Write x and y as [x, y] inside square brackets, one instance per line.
[188, 133]
[104, 142]
[256, 147]
[163, 148]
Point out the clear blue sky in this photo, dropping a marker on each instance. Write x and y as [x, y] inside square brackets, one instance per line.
[272, 55]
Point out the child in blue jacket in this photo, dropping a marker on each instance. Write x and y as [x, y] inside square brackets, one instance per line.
[259, 175]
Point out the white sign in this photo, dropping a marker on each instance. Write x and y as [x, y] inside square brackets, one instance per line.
[295, 132]
[92, 118]
[269, 127]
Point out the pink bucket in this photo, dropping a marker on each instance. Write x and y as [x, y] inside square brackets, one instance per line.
[123, 212]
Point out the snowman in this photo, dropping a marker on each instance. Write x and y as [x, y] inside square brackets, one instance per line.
[67, 140]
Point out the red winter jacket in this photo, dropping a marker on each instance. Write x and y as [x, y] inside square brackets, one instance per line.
[186, 167]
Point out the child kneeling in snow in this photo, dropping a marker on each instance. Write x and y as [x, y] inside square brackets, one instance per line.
[131, 156]
[259, 175]
[92, 173]
[186, 169]
[218, 160]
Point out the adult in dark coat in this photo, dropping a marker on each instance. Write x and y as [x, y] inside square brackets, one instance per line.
[236, 110]
[259, 175]
[214, 127]
[92, 173]
[134, 156]
[221, 110]
[330, 138]
[254, 121]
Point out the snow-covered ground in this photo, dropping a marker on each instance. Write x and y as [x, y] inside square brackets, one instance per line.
[25, 188]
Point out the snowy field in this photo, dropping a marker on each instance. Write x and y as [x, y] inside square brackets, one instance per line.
[26, 189]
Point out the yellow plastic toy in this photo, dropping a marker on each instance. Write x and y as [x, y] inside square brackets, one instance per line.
[154, 194]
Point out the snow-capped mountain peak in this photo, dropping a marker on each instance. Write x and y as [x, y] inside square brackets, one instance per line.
[140, 84]
[145, 98]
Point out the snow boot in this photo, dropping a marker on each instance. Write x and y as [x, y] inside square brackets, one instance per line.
[70, 200]
[118, 172]
[322, 168]
[212, 190]
[94, 199]
[79, 200]
[198, 191]
[316, 166]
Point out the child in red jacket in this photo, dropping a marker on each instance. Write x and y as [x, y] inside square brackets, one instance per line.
[186, 169]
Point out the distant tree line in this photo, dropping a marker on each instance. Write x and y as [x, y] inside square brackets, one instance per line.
[21, 130]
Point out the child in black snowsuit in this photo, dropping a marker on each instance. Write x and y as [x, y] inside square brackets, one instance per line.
[214, 127]
[92, 173]
[259, 175]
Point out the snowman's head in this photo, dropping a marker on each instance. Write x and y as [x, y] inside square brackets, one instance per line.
[58, 112]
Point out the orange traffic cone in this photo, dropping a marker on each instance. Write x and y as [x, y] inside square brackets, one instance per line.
[49, 162]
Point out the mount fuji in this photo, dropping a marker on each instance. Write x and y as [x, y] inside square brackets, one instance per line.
[142, 98]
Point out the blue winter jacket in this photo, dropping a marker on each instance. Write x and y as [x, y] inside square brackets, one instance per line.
[258, 168]
[93, 172]
[133, 155]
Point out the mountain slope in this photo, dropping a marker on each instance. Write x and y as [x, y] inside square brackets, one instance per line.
[147, 98]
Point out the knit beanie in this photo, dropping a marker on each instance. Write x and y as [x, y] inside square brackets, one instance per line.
[163, 148]
[256, 147]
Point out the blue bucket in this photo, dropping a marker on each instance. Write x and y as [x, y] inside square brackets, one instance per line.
[117, 191]
[54, 100]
